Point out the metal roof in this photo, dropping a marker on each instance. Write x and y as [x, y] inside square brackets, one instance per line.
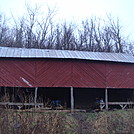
[65, 54]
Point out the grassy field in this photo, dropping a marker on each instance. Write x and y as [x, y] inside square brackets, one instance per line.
[54, 122]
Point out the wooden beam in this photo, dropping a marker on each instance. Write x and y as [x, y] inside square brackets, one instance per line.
[72, 99]
[19, 103]
[123, 105]
[106, 98]
[35, 97]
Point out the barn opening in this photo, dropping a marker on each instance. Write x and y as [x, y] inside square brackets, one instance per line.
[120, 95]
[46, 95]
[60, 97]
[56, 97]
[85, 98]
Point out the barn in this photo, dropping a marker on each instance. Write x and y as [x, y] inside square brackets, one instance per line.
[75, 79]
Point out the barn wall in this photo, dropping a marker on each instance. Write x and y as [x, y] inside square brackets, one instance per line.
[65, 73]
[120, 75]
[17, 73]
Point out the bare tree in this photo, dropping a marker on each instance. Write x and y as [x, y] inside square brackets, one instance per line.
[107, 40]
[34, 30]
[102, 36]
[4, 31]
[38, 30]
[45, 30]
[116, 34]
[30, 22]
[18, 33]
[86, 35]
[68, 38]
[58, 37]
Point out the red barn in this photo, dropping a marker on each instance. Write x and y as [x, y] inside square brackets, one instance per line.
[54, 72]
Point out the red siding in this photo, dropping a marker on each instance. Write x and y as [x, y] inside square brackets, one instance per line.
[65, 73]
[51, 73]
[88, 74]
[19, 73]
[120, 75]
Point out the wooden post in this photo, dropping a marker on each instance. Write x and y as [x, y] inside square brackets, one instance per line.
[72, 99]
[35, 97]
[106, 98]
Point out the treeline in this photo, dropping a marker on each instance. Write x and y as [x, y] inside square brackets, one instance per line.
[36, 30]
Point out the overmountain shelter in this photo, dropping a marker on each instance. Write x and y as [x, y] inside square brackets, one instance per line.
[75, 78]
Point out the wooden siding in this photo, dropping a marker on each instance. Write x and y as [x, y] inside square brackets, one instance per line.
[65, 73]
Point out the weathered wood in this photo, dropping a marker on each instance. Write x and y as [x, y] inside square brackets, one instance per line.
[106, 98]
[72, 99]
[123, 105]
[20, 105]
[35, 97]
[102, 105]
[120, 103]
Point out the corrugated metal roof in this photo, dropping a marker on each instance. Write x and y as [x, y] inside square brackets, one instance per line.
[67, 54]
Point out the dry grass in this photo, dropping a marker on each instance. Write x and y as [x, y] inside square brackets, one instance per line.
[112, 122]
[13, 122]
[54, 122]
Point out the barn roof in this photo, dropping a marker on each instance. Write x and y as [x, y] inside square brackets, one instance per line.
[64, 54]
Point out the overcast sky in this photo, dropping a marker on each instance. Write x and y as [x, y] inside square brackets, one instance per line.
[78, 9]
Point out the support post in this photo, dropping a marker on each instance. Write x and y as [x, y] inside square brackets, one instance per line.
[106, 98]
[72, 99]
[35, 97]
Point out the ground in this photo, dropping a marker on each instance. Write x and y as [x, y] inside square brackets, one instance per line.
[59, 122]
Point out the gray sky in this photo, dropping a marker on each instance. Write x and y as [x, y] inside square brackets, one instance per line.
[78, 9]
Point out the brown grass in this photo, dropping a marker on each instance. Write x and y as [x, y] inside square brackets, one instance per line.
[13, 122]
[54, 122]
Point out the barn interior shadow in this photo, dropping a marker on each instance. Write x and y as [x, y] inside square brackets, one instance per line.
[84, 98]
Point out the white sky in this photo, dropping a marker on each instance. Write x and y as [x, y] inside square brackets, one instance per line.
[78, 9]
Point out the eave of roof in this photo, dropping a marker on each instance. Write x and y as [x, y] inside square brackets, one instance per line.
[8, 52]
